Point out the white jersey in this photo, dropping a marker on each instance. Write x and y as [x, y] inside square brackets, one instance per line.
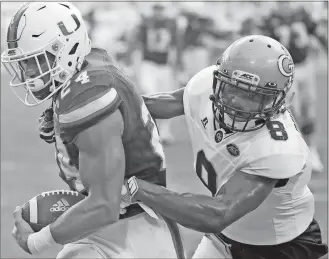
[289, 209]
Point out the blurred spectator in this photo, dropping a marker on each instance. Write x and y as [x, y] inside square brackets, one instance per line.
[293, 25]
[156, 41]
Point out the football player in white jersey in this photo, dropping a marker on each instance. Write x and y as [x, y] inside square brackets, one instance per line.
[248, 152]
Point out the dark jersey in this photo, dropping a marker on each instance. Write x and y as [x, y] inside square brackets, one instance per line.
[192, 36]
[157, 37]
[293, 31]
[94, 93]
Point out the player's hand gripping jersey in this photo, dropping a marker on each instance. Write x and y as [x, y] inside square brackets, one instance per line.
[276, 151]
[95, 92]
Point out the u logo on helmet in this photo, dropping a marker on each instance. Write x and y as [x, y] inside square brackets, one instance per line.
[63, 28]
[283, 67]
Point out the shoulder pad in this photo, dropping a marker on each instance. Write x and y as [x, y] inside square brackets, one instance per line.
[89, 97]
[276, 159]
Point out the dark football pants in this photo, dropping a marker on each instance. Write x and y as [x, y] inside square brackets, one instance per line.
[306, 246]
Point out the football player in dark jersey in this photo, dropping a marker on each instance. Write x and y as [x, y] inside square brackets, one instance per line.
[156, 37]
[192, 43]
[103, 134]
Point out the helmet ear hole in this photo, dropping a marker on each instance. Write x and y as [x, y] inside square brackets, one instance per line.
[74, 49]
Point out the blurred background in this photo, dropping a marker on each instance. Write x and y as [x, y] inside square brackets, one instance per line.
[161, 45]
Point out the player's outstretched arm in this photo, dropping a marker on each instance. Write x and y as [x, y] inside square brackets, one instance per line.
[101, 167]
[241, 194]
[165, 105]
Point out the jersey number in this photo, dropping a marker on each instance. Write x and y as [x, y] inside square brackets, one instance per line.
[83, 78]
[206, 172]
[66, 90]
[68, 172]
[155, 139]
[277, 130]
[158, 40]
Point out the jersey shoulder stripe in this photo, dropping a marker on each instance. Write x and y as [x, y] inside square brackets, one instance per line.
[91, 96]
[109, 100]
[73, 122]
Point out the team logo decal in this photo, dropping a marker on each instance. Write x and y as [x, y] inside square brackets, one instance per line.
[62, 26]
[286, 66]
[219, 136]
[204, 122]
[233, 149]
[246, 77]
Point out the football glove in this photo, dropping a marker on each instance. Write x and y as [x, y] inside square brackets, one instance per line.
[46, 126]
[129, 189]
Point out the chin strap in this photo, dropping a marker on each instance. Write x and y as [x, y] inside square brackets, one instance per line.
[290, 100]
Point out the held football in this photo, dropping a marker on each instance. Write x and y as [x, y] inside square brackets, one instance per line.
[46, 207]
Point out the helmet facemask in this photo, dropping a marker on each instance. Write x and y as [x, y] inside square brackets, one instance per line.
[34, 87]
[258, 103]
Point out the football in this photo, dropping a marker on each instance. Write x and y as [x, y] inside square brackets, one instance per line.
[46, 207]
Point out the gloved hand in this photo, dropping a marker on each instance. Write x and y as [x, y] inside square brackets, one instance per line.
[46, 126]
[129, 189]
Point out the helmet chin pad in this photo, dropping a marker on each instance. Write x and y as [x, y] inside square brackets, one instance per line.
[44, 90]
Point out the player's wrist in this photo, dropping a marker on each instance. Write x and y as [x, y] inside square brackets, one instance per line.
[40, 241]
[142, 190]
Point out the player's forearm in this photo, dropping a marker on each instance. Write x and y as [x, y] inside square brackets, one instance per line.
[100, 208]
[80, 221]
[101, 170]
[165, 105]
[199, 212]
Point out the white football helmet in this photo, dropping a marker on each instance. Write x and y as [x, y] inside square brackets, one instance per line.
[50, 32]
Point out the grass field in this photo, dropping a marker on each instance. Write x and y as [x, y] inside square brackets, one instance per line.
[28, 165]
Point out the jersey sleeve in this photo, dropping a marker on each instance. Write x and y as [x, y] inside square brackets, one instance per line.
[195, 94]
[90, 104]
[186, 101]
[278, 166]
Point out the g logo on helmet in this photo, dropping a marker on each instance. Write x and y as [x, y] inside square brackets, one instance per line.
[284, 63]
[286, 67]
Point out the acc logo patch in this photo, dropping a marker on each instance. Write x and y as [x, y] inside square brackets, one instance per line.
[246, 77]
[219, 136]
[233, 149]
